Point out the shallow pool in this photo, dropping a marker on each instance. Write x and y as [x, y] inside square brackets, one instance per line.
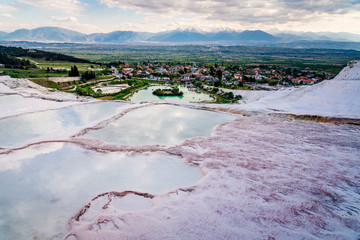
[15, 130]
[189, 96]
[159, 124]
[42, 186]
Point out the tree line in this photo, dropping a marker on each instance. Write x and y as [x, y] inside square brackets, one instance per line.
[12, 62]
[34, 53]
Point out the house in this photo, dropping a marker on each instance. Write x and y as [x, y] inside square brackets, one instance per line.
[226, 73]
[185, 77]
[299, 80]
[207, 78]
[127, 71]
[227, 82]
[238, 76]
[278, 76]
[258, 77]
[296, 80]
[309, 81]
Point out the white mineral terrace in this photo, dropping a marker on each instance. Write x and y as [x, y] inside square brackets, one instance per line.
[76, 168]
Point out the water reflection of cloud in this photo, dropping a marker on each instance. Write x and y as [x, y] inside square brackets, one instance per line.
[18, 129]
[59, 178]
[33, 125]
[16, 159]
[162, 124]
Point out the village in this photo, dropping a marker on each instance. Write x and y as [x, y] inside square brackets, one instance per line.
[227, 77]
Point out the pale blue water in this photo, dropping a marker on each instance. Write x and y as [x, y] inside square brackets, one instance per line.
[42, 186]
[189, 96]
[18, 129]
[159, 124]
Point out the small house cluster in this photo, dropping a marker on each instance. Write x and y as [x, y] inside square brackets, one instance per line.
[227, 76]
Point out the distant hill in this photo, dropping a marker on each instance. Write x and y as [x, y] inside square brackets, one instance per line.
[2, 34]
[118, 37]
[257, 36]
[247, 37]
[178, 36]
[13, 62]
[13, 52]
[230, 36]
[55, 34]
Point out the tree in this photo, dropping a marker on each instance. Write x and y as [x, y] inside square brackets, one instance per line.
[212, 71]
[198, 85]
[228, 95]
[217, 83]
[219, 74]
[88, 75]
[175, 90]
[273, 83]
[84, 91]
[74, 72]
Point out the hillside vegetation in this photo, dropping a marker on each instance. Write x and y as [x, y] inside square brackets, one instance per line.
[39, 54]
[12, 62]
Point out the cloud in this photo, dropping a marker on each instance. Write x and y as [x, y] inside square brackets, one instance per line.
[7, 8]
[71, 20]
[72, 23]
[7, 15]
[247, 11]
[66, 6]
[8, 26]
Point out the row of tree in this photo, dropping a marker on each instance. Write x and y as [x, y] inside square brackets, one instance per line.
[88, 75]
[74, 72]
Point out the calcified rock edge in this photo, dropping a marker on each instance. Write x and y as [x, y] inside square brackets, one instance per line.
[267, 175]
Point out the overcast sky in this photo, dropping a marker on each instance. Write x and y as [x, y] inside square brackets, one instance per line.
[89, 16]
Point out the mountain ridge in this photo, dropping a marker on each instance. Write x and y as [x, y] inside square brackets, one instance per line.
[321, 40]
[56, 34]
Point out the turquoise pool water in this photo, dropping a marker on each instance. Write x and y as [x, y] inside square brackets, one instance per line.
[189, 96]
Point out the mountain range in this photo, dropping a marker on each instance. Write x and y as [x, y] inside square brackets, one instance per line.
[55, 34]
[254, 37]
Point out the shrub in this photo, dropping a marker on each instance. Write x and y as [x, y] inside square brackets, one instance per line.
[273, 83]
[14, 75]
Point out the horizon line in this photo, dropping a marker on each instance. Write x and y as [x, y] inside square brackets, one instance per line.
[186, 29]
